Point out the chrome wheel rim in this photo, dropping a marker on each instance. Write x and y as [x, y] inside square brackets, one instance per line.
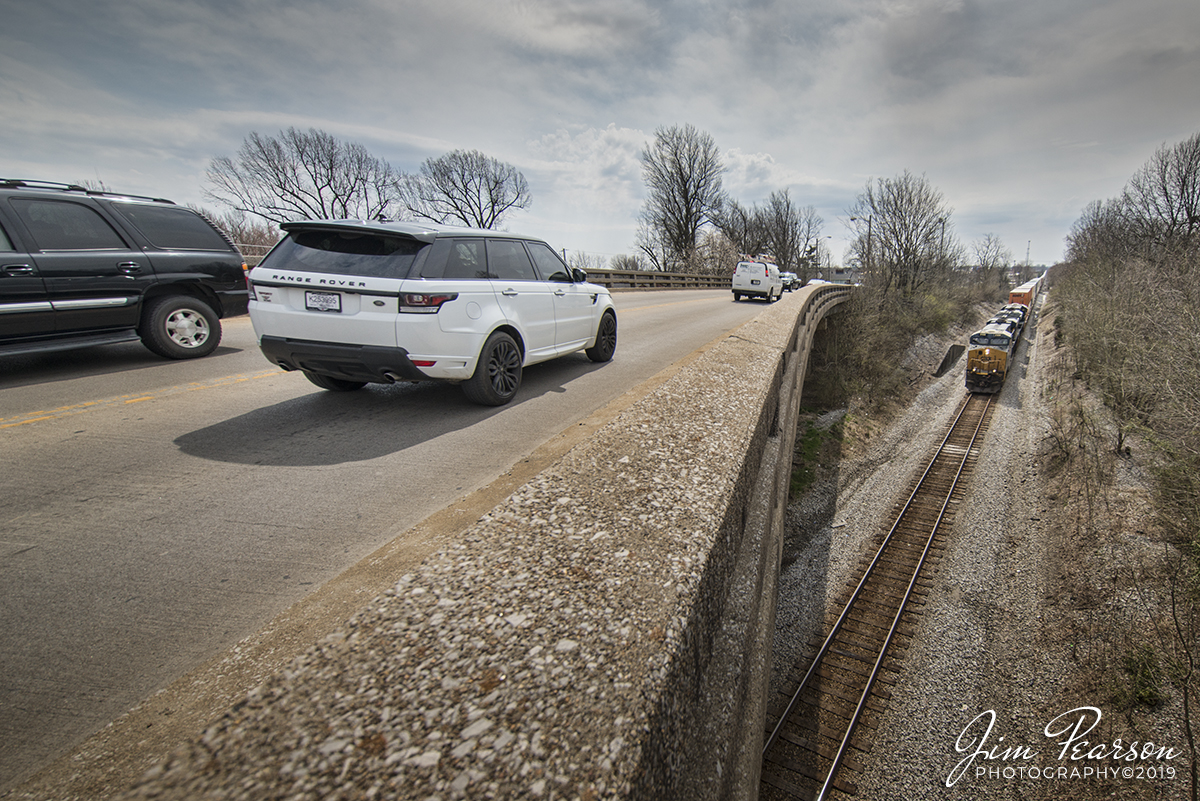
[187, 328]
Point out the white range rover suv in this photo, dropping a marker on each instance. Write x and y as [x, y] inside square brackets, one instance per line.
[351, 302]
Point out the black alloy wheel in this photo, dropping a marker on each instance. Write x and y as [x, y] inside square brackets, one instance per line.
[498, 374]
[606, 339]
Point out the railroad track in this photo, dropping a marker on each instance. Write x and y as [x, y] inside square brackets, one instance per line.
[814, 739]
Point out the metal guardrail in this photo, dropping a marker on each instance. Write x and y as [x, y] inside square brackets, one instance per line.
[253, 254]
[649, 279]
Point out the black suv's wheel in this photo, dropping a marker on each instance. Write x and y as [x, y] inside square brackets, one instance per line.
[180, 327]
[606, 339]
[335, 384]
[498, 373]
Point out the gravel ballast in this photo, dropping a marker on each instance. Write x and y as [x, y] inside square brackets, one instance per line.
[993, 636]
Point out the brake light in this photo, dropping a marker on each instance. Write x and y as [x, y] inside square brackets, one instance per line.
[414, 303]
[423, 362]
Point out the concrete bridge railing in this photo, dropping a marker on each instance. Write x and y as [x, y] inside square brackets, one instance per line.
[605, 632]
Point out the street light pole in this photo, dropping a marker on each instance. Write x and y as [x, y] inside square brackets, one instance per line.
[870, 218]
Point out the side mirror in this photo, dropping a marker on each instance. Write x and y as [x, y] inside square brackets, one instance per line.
[578, 275]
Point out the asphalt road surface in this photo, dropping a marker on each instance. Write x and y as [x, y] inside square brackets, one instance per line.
[154, 513]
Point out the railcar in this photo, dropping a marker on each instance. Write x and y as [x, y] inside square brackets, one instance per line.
[1025, 293]
[989, 352]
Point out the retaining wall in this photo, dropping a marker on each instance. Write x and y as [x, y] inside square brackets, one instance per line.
[603, 633]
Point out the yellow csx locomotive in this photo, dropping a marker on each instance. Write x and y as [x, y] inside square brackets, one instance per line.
[988, 353]
[990, 349]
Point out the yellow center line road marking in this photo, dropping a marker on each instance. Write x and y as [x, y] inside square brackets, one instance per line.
[121, 400]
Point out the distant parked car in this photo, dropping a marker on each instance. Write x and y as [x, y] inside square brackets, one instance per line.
[790, 281]
[353, 302]
[82, 268]
[817, 282]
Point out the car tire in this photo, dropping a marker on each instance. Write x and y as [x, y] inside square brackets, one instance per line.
[497, 375]
[180, 327]
[737, 296]
[606, 339]
[334, 384]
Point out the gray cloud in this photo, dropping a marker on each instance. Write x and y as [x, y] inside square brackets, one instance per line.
[1019, 112]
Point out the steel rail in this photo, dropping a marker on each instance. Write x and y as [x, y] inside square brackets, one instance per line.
[862, 701]
[833, 632]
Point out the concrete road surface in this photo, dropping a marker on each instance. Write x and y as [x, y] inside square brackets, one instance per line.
[154, 513]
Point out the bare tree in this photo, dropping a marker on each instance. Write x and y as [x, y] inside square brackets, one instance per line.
[715, 254]
[467, 187]
[793, 234]
[1162, 199]
[93, 185]
[778, 228]
[242, 229]
[1101, 233]
[627, 261]
[302, 175]
[587, 262]
[743, 227]
[902, 222]
[652, 242]
[992, 260]
[682, 170]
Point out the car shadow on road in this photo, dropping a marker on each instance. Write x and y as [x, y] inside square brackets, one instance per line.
[329, 428]
[69, 365]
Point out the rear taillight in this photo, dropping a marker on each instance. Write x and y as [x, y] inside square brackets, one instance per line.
[413, 303]
[249, 286]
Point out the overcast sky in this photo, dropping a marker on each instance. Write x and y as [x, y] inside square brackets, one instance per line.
[1019, 111]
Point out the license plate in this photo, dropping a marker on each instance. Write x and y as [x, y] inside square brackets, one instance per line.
[323, 301]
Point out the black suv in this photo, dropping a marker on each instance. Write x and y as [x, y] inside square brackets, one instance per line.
[80, 268]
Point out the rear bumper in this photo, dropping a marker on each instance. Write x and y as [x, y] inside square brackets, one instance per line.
[233, 304]
[371, 363]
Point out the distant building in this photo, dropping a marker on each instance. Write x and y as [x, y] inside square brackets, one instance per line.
[843, 275]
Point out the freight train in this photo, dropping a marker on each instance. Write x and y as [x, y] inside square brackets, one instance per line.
[991, 348]
[1025, 293]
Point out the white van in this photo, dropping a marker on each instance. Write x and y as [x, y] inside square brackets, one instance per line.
[757, 279]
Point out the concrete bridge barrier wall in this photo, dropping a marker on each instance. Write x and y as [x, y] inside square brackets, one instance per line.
[603, 633]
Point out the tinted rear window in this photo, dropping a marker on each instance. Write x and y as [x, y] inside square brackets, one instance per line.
[345, 253]
[62, 225]
[172, 227]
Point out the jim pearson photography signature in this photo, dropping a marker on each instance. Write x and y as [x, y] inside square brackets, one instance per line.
[1068, 754]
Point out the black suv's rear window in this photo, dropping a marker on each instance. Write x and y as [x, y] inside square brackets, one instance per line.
[345, 253]
[172, 228]
[62, 225]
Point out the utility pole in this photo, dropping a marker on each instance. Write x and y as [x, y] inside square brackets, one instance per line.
[870, 218]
